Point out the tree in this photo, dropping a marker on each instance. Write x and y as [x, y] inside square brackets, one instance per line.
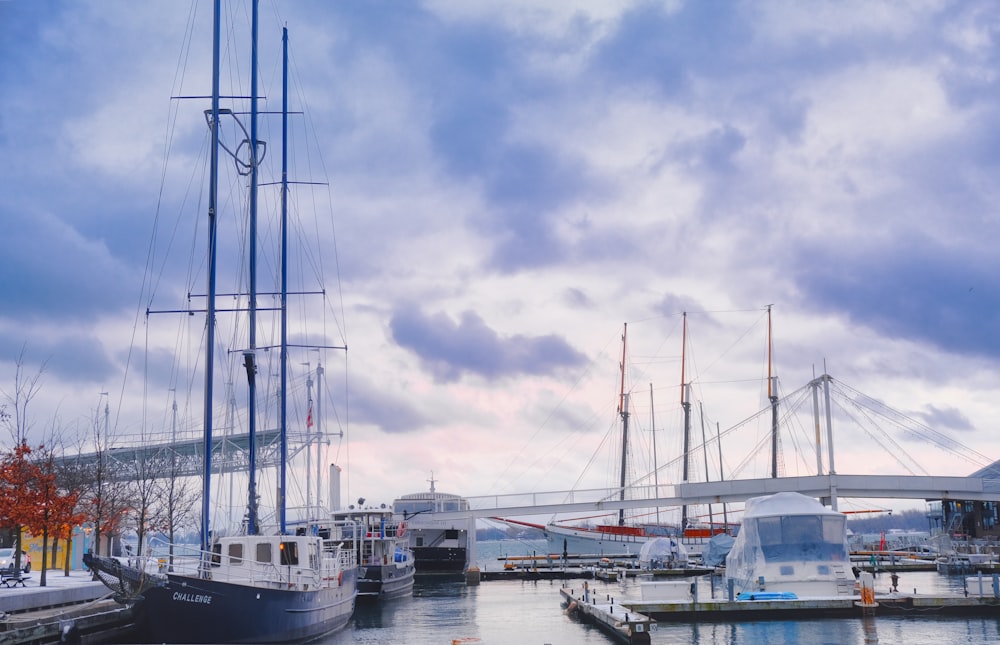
[17, 474]
[105, 500]
[55, 508]
[25, 389]
[30, 498]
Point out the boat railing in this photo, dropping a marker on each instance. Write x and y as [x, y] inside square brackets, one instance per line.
[189, 560]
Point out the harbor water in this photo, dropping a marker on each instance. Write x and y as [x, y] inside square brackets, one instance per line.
[518, 612]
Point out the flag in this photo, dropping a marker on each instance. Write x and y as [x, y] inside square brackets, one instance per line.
[309, 417]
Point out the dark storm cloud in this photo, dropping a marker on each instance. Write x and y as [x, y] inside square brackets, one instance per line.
[912, 288]
[450, 349]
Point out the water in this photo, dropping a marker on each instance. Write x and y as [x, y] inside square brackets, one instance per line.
[528, 613]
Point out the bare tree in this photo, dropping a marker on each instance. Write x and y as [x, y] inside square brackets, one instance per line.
[145, 489]
[25, 389]
[106, 499]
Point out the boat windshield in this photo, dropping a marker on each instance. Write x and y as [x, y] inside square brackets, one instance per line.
[412, 507]
[802, 537]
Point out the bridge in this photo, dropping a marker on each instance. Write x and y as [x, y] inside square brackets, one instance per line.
[186, 458]
[827, 487]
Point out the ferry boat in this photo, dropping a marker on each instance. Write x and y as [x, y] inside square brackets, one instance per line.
[440, 547]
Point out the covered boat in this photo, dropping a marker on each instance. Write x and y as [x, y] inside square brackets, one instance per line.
[662, 553]
[790, 544]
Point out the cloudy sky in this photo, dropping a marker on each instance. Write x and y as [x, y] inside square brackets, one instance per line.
[510, 182]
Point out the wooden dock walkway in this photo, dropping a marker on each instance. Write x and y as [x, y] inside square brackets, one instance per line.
[611, 617]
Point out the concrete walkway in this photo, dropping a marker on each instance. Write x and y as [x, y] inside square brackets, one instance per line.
[59, 589]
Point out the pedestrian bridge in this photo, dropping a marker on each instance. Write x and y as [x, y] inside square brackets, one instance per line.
[828, 487]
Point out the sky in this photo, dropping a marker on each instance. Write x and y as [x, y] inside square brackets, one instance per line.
[509, 183]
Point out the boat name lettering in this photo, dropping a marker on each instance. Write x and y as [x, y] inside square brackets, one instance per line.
[193, 597]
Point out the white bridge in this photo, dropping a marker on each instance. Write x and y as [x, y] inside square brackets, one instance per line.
[827, 487]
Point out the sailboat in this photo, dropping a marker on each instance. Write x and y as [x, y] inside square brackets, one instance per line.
[257, 586]
[624, 538]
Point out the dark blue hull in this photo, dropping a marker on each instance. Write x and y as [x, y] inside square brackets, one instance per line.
[188, 610]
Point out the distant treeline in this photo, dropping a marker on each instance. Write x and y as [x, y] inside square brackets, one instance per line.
[912, 520]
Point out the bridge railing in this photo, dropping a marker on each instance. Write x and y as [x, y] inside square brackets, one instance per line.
[509, 501]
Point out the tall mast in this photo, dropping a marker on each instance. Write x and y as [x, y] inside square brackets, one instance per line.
[249, 355]
[213, 190]
[656, 471]
[623, 412]
[283, 477]
[318, 433]
[772, 395]
[686, 404]
[704, 450]
[722, 475]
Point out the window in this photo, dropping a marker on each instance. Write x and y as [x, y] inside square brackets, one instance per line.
[216, 554]
[289, 553]
[264, 552]
[236, 553]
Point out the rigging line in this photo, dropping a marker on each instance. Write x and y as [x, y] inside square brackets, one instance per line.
[737, 341]
[309, 127]
[147, 280]
[867, 414]
[764, 443]
[551, 415]
[940, 439]
[888, 439]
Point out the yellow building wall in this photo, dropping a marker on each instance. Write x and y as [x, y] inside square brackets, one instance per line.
[33, 545]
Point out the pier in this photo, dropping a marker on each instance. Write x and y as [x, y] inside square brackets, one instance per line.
[630, 620]
[613, 618]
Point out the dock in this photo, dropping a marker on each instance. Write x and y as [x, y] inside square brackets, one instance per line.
[530, 572]
[612, 617]
[71, 608]
[630, 620]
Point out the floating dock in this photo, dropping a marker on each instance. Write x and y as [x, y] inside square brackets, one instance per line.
[629, 620]
[609, 615]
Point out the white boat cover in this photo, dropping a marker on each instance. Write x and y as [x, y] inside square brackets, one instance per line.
[662, 553]
[789, 530]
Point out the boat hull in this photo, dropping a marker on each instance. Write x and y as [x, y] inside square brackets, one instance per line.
[384, 582]
[580, 541]
[449, 561]
[188, 610]
[587, 542]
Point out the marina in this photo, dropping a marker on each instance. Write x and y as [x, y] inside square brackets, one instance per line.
[451, 609]
[210, 511]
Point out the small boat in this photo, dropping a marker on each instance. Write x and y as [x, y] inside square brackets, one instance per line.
[792, 545]
[386, 565]
[955, 563]
[440, 547]
[262, 584]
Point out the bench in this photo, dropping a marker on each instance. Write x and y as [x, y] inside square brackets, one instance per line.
[12, 579]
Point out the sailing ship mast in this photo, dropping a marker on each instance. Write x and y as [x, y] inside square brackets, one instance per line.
[213, 189]
[686, 404]
[249, 357]
[772, 395]
[283, 421]
[623, 412]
